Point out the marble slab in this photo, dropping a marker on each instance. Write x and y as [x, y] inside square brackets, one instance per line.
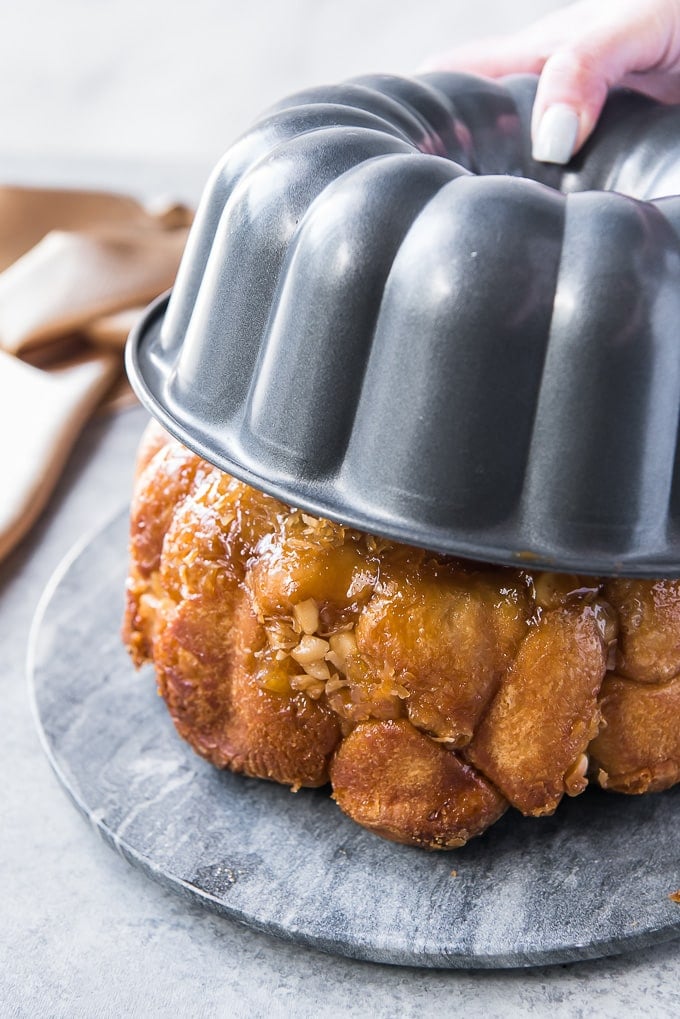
[593, 880]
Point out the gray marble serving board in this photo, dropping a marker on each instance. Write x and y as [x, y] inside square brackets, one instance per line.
[593, 880]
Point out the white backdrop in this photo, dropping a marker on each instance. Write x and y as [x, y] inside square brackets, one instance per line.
[166, 80]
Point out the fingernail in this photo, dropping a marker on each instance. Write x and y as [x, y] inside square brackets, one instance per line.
[556, 134]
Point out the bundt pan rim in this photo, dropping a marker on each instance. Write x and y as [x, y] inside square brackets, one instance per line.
[209, 383]
[561, 560]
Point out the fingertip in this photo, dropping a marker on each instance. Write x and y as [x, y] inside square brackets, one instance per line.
[554, 140]
[571, 92]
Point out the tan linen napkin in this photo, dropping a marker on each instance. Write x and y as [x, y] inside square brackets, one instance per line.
[76, 270]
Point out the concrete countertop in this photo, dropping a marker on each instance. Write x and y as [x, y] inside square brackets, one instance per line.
[121, 97]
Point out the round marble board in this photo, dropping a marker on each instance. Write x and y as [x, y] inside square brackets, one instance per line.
[592, 880]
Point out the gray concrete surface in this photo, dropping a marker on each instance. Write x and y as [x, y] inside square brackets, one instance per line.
[145, 96]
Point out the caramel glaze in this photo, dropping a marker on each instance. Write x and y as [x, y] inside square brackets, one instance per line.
[430, 692]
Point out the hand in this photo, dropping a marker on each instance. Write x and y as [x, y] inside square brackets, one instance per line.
[580, 52]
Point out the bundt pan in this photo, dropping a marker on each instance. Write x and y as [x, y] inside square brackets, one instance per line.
[389, 315]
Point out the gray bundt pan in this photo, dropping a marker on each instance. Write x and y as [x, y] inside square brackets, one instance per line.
[390, 315]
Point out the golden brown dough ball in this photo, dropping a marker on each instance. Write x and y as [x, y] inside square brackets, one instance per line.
[649, 622]
[533, 739]
[391, 778]
[638, 749]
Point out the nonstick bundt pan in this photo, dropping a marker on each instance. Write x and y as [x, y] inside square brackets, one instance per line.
[390, 315]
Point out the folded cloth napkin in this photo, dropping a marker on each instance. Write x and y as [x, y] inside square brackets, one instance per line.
[76, 269]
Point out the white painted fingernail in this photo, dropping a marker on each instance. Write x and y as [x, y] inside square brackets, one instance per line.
[556, 134]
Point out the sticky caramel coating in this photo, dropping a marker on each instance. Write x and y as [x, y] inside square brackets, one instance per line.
[649, 611]
[532, 739]
[429, 691]
[205, 667]
[391, 778]
[166, 475]
[479, 620]
[638, 749]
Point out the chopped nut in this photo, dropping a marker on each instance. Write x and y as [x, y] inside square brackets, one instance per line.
[342, 646]
[336, 661]
[280, 634]
[335, 683]
[310, 649]
[575, 780]
[307, 684]
[345, 643]
[306, 614]
[319, 670]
